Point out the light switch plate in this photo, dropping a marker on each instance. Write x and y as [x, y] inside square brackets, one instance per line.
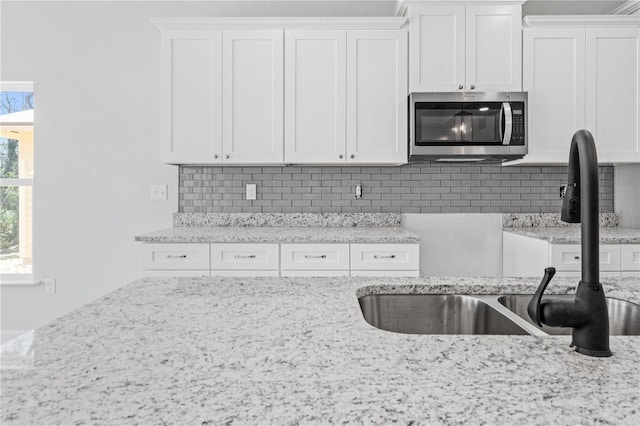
[159, 192]
[251, 191]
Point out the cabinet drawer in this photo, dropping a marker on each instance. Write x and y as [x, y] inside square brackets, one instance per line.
[244, 257]
[384, 257]
[630, 257]
[176, 256]
[568, 257]
[314, 257]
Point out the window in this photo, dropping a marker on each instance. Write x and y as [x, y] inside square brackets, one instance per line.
[16, 181]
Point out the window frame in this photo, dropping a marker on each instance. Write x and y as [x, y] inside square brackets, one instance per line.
[21, 278]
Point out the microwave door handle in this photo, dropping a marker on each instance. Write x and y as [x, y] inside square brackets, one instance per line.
[508, 122]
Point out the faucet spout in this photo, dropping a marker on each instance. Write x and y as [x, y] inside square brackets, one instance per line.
[587, 314]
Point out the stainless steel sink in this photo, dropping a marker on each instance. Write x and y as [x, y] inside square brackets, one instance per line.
[435, 314]
[624, 317]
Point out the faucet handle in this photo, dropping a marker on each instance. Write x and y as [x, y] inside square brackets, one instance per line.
[534, 304]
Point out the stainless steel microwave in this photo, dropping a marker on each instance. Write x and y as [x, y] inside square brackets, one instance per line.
[467, 126]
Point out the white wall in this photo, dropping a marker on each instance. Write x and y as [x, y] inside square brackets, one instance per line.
[626, 194]
[458, 244]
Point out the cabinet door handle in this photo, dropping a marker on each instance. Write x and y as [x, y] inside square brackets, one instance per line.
[576, 257]
[309, 256]
[379, 256]
[226, 156]
[215, 156]
[460, 87]
[472, 87]
[251, 256]
[353, 156]
[340, 156]
[181, 256]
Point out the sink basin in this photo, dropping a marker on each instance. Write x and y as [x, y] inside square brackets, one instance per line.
[624, 317]
[435, 314]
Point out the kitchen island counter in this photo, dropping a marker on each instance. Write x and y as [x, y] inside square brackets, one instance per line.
[287, 351]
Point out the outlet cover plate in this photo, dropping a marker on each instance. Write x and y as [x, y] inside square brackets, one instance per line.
[49, 285]
[251, 191]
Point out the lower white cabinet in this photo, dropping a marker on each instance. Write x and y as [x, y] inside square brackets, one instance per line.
[245, 260]
[286, 259]
[525, 256]
[385, 260]
[314, 260]
[188, 260]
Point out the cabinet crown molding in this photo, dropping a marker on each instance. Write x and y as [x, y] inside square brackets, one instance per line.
[347, 23]
[401, 6]
[581, 21]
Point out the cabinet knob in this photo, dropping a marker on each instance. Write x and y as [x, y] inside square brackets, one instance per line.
[215, 155]
[340, 156]
[353, 156]
[460, 86]
[226, 156]
[472, 87]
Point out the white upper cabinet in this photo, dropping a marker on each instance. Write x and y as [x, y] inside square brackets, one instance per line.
[315, 94]
[377, 96]
[494, 48]
[582, 72]
[346, 97]
[284, 90]
[192, 97]
[252, 116]
[612, 96]
[437, 48]
[465, 48]
[554, 77]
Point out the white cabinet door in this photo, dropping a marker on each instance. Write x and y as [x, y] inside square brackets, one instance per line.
[245, 256]
[630, 257]
[612, 98]
[178, 256]
[385, 257]
[253, 96]
[494, 48]
[437, 58]
[377, 96]
[315, 96]
[192, 97]
[314, 257]
[554, 77]
[568, 257]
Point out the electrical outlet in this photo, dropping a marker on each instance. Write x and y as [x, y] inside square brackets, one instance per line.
[563, 191]
[358, 191]
[159, 192]
[49, 285]
[251, 191]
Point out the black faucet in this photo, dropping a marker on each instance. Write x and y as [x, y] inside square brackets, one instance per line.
[587, 313]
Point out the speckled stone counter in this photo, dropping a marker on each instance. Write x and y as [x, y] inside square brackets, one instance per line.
[280, 235]
[297, 351]
[571, 235]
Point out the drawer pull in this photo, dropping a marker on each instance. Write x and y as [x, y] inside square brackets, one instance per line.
[379, 256]
[309, 256]
[251, 256]
[576, 257]
[182, 256]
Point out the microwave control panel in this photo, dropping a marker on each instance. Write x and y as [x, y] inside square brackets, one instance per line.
[517, 134]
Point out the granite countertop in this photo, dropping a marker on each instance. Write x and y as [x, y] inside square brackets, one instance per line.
[297, 351]
[301, 234]
[571, 235]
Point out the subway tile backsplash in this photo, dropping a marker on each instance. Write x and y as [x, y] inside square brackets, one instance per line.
[412, 188]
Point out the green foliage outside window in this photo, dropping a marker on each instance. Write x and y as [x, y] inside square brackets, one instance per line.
[10, 102]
